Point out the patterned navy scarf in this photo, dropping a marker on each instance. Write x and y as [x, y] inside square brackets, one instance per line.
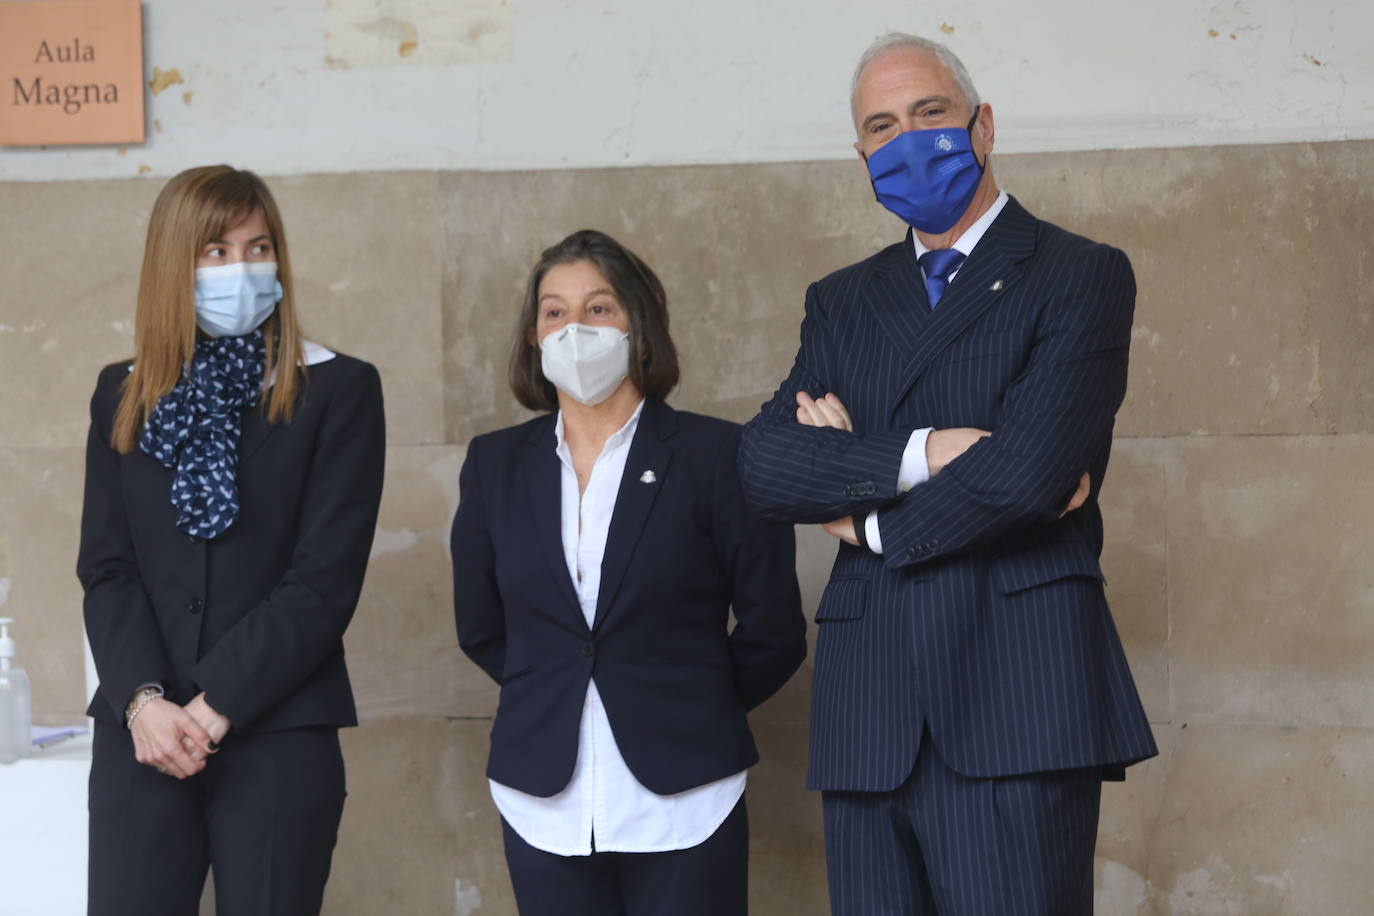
[195, 429]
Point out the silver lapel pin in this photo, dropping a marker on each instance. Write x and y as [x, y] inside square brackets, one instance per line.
[647, 477]
[996, 285]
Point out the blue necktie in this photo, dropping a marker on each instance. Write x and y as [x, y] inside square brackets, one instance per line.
[938, 265]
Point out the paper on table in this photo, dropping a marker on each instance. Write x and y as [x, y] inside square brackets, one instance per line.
[43, 736]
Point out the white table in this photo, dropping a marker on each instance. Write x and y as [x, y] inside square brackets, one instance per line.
[43, 831]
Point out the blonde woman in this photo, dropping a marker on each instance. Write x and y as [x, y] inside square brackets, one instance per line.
[233, 475]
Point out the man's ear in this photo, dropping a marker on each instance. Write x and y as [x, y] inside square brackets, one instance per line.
[986, 128]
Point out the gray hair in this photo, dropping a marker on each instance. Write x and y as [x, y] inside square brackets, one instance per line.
[902, 40]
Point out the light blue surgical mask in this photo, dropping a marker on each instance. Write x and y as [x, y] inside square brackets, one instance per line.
[233, 299]
[927, 177]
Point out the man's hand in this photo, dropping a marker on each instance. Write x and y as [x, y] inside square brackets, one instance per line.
[215, 725]
[826, 411]
[944, 445]
[167, 738]
[842, 528]
[1080, 496]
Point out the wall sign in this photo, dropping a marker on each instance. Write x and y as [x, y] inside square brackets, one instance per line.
[71, 71]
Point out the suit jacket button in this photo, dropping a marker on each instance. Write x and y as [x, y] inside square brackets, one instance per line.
[588, 649]
[196, 606]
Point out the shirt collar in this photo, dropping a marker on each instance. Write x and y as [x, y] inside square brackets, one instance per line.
[620, 436]
[973, 234]
[312, 354]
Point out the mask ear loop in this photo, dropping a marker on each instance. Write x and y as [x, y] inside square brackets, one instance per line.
[982, 166]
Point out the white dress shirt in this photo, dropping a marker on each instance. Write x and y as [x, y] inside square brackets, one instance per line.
[604, 808]
[914, 468]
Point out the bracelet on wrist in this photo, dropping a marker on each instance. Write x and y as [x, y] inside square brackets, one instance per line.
[141, 698]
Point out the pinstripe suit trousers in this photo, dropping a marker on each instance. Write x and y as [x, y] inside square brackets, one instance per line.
[943, 843]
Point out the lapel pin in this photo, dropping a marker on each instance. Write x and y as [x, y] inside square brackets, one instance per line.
[996, 285]
[647, 477]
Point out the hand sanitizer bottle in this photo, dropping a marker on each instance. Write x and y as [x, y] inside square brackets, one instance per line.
[15, 714]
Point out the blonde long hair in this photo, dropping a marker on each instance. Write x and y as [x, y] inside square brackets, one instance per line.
[196, 206]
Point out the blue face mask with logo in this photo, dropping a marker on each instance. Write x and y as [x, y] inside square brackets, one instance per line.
[233, 299]
[927, 177]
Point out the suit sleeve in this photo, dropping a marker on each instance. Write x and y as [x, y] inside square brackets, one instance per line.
[126, 641]
[808, 475]
[477, 609]
[1056, 422]
[275, 646]
[768, 642]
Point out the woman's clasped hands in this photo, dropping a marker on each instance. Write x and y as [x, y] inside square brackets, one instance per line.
[176, 740]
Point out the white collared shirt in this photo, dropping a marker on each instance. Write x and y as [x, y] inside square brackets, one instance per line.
[312, 354]
[972, 235]
[603, 803]
[914, 468]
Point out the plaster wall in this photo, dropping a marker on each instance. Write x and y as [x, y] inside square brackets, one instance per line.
[415, 85]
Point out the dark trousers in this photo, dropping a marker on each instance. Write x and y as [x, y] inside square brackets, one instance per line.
[710, 879]
[952, 845]
[264, 813]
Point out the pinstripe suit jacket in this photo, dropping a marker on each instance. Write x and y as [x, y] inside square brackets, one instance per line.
[985, 619]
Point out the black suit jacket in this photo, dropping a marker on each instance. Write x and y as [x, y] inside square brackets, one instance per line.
[682, 551]
[254, 617]
[985, 617]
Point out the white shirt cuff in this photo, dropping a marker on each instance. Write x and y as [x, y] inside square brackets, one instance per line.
[871, 534]
[915, 469]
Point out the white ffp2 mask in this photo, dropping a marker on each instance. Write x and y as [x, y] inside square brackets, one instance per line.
[586, 362]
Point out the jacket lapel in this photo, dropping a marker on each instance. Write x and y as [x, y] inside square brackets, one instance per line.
[254, 430]
[646, 469]
[899, 301]
[543, 474]
[990, 271]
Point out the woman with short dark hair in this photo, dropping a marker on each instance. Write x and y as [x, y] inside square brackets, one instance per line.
[598, 553]
[653, 367]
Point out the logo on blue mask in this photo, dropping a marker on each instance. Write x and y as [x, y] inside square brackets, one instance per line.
[927, 177]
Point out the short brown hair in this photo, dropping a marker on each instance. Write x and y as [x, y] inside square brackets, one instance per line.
[195, 207]
[653, 358]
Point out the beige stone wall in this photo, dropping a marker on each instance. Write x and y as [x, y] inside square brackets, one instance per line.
[1240, 555]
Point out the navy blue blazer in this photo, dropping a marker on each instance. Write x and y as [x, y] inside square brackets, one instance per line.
[682, 551]
[984, 619]
[255, 617]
